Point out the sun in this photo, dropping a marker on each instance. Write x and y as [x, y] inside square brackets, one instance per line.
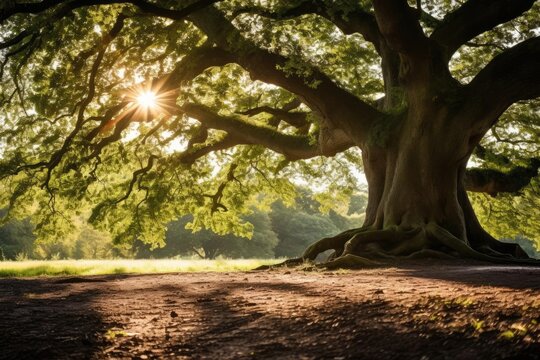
[147, 99]
[147, 102]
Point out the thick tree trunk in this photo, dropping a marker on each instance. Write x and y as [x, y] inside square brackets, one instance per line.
[414, 179]
[417, 204]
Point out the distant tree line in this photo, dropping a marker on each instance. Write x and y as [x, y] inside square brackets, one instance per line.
[284, 231]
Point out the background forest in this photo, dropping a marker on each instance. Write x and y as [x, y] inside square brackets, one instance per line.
[281, 231]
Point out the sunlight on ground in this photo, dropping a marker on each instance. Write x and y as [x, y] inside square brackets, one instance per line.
[101, 267]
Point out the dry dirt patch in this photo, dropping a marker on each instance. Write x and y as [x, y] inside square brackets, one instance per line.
[414, 311]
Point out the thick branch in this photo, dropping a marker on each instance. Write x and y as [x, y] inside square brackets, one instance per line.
[67, 8]
[474, 18]
[38, 7]
[196, 152]
[511, 76]
[352, 21]
[27, 8]
[318, 91]
[487, 154]
[493, 181]
[296, 119]
[400, 26]
[292, 146]
[194, 64]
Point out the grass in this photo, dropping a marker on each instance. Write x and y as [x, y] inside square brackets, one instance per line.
[102, 267]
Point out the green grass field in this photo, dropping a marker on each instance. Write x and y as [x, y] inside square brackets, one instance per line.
[102, 267]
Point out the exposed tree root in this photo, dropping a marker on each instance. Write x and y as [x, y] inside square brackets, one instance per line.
[363, 247]
[376, 240]
[450, 241]
[509, 254]
[349, 261]
[288, 262]
[429, 254]
[336, 243]
[363, 240]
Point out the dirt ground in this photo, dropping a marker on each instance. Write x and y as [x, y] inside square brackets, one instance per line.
[413, 311]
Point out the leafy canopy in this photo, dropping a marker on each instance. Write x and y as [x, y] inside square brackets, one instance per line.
[73, 142]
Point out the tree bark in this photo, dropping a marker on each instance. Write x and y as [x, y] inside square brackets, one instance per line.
[414, 179]
[417, 203]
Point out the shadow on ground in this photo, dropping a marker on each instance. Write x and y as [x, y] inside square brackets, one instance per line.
[40, 319]
[370, 329]
[481, 274]
[271, 315]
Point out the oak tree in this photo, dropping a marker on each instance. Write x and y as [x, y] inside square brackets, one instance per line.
[143, 111]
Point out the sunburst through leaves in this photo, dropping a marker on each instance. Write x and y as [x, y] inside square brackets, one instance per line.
[146, 102]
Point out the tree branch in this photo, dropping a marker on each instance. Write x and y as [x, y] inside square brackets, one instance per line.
[186, 69]
[106, 40]
[38, 7]
[473, 18]
[349, 21]
[137, 175]
[296, 119]
[511, 76]
[193, 153]
[197, 252]
[292, 146]
[64, 10]
[428, 19]
[194, 64]
[493, 182]
[352, 21]
[399, 25]
[218, 195]
[317, 90]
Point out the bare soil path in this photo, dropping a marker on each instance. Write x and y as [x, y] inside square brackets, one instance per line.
[414, 311]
